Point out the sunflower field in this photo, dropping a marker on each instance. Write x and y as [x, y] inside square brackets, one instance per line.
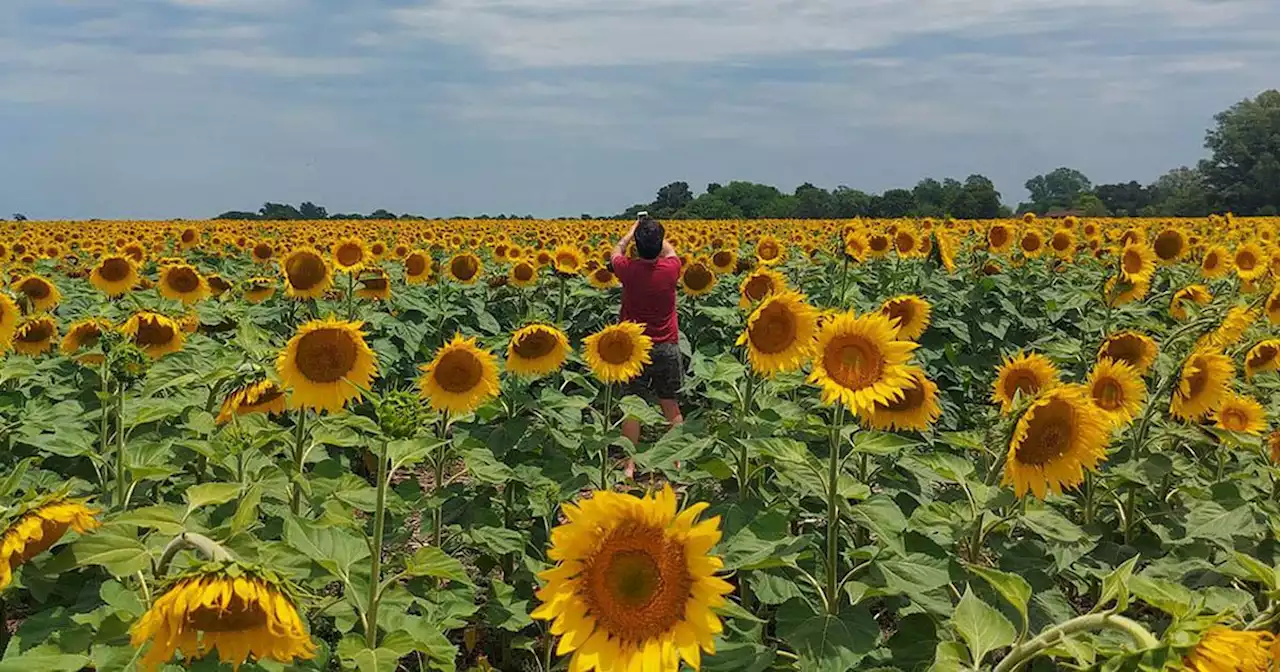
[397, 445]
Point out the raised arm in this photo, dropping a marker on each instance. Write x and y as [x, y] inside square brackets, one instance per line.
[668, 250]
[620, 250]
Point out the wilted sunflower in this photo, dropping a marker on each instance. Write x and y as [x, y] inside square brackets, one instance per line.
[724, 261]
[326, 364]
[374, 285]
[35, 335]
[1214, 264]
[759, 285]
[915, 411]
[1135, 349]
[154, 333]
[634, 586]
[1250, 262]
[114, 275]
[1117, 390]
[40, 294]
[536, 350]
[465, 268]
[460, 377]
[242, 612]
[182, 282]
[1054, 441]
[350, 254]
[1202, 385]
[261, 397]
[1198, 294]
[306, 274]
[1137, 263]
[698, 278]
[84, 335]
[617, 353]
[9, 315]
[780, 334]
[859, 362]
[1242, 414]
[769, 250]
[38, 526]
[523, 274]
[602, 278]
[1265, 356]
[1222, 649]
[1028, 374]
[257, 290]
[1237, 320]
[909, 313]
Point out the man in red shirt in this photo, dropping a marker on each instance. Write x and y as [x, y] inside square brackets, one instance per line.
[649, 297]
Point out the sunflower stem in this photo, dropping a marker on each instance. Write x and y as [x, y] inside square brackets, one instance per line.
[1129, 505]
[604, 449]
[299, 436]
[210, 549]
[560, 305]
[439, 480]
[1021, 654]
[104, 424]
[121, 485]
[351, 296]
[844, 276]
[379, 521]
[744, 458]
[833, 514]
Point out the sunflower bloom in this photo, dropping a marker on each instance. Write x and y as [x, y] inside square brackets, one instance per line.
[115, 274]
[757, 286]
[567, 260]
[460, 377]
[465, 268]
[326, 364]
[724, 261]
[523, 274]
[909, 313]
[1222, 649]
[417, 268]
[634, 586]
[182, 282]
[769, 250]
[1060, 436]
[1133, 348]
[1265, 356]
[1117, 390]
[1170, 245]
[35, 335]
[859, 362]
[1241, 414]
[1197, 294]
[698, 278]
[1137, 263]
[1215, 263]
[1237, 320]
[999, 238]
[1120, 291]
[39, 293]
[38, 528]
[259, 289]
[915, 411]
[536, 350]
[1249, 262]
[617, 353]
[260, 397]
[602, 278]
[1202, 385]
[84, 335]
[242, 613]
[373, 285]
[350, 255]
[1025, 374]
[9, 315]
[153, 333]
[780, 334]
[306, 274]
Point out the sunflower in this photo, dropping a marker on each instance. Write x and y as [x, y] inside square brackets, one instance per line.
[634, 585]
[135, 251]
[859, 362]
[1032, 243]
[1237, 320]
[1222, 649]
[217, 284]
[1265, 356]
[35, 335]
[1273, 444]
[878, 245]
[1202, 384]
[263, 252]
[602, 278]
[350, 254]
[915, 411]
[38, 526]
[523, 274]
[417, 268]
[1249, 262]
[759, 285]
[38, 293]
[905, 242]
[257, 290]
[1117, 390]
[1137, 263]
[326, 364]
[9, 315]
[260, 397]
[114, 275]
[153, 333]
[460, 378]
[83, 335]
[306, 274]
[698, 278]
[182, 282]
[536, 350]
[1242, 414]
[374, 285]
[1214, 264]
[465, 267]
[999, 238]
[1063, 244]
[1135, 349]
[910, 315]
[618, 353]
[1055, 440]
[769, 250]
[1028, 375]
[724, 261]
[1120, 291]
[1198, 294]
[1169, 246]
[567, 260]
[780, 334]
[242, 612]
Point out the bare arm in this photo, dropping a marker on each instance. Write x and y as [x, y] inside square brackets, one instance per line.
[668, 250]
[620, 249]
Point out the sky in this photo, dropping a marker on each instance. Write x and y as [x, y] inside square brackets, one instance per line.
[144, 109]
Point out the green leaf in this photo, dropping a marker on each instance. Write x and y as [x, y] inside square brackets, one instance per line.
[1051, 525]
[827, 643]
[247, 510]
[913, 573]
[206, 494]
[635, 408]
[1167, 596]
[484, 467]
[1209, 520]
[883, 517]
[433, 562]
[1013, 588]
[14, 478]
[1257, 570]
[982, 626]
[498, 540]
[375, 660]
[948, 657]
[163, 519]
[881, 443]
[45, 662]
[121, 555]
[1115, 585]
[408, 452]
[334, 549]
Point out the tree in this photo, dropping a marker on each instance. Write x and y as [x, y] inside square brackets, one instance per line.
[19, 217]
[895, 203]
[671, 198]
[1092, 206]
[238, 214]
[1127, 199]
[1181, 192]
[710, 208]
[382, 214]
[1058, 190]
[848, 203]
[978, 199]
[310, 210]
[1244, 169]
[713, 187]
[811, 202]
[275, 211]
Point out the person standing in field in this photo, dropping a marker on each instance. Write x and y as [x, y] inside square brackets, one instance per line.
[649, 297]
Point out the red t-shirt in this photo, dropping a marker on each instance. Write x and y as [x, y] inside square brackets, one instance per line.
[649, 295]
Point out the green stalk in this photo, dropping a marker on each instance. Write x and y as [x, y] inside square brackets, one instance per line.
[351, 296]
[299, 436]
[560, 306]
[439, 482]
[604, 449]
[744, 459]
[104, 426]
[1024, 653]
[844, 275]
[121, 486]
[375, 575]
[833, 514]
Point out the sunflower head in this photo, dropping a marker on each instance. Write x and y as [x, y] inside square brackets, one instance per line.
[153, 333]
[261, 397]
[859, 362]
[780, 334]
[465, 268]
[1237, 320]
[259, 289]
[1133, 348]
[1250, 262]
[536, 350]
[759, 285]
[698, 278]
[1057, 438]
[1265, 356]
[724, 260]
[523, 273]
[115, 274]
[916, 410]
[460, 377]
[617, 353]
[35, 335]
[567, 260]
[85, 335]
[374, 285]
[1191, 294]
[350, 254]
[306, 274]
[1202, 384]
[909, 313]
[182, 282]
[1216, 262]
[1117, 390]
[999, 238]
[37, 293]
[1222, 649]
[326, 364]
[1137, 263]
[769, 250]
[1241, 414]
[40, 524]
[1023, 377]
[602, 278]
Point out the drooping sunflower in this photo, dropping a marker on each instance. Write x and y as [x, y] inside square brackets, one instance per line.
[465, 268]
[182, 282]
[698, 279]
[1060, 436]
[1273, 306]
[1133, 348]
[523, 274]
[724, 261]
[84, 335]
[35, 335]
[859, 362]
[9, 316]
[634, 586]
[114, 275]
[1250, 262]
[1202, 385]
[536, 350]
[306, 274]
[1215, 262]
[217, 284]
[257, 290]
[1197, 294]
[153, 333]
[373, 285]
[1117, 390]
[1120, 291]
[1222, 649]
[326, 364]
[350, 254]
[1025, 374]
[39, 293]
[242, 612]
[909, 313]
[780, 334]
[769, 250]
[263, 396]
[1265, 356]
[602, 278]
[915, 411]
[757, 286]
[38, 526]
[1273, 446]
[1242, 414]
[617, 353]
[417, 268]
[460, 377]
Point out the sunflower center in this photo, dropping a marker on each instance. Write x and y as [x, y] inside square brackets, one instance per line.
[1049, 434]
[1168, 245]
[1125, 349]
[602, 275]
[35, 288]
[326, 355]
[616, 347]
[1245, 260]
[236, 616]
[853, 361]
[1132, 262]
[375, 283]
[1197, 382]
[349, 254]
[879, 243]
[262, 251]
[1030, 243]
[1021, 380]
[758, 288]
[152, 332]
[114, 269]
[774, 329]
[188, 235]
[1060, 242]
[183, 280]
[463, 268]
[1234, 419]
[37, 332]
[901, 312]
[535, 344]
[722, 259]
[904, 241]
[697, 277]
[1108, 394]
[998, 237]
[1211, 261]
[1262, 356]
[415, 264]
[458, 371]
[523, 272]
[768, 250]
[637, 584]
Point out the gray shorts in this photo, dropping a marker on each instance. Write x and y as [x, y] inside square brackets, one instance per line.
[662, 377]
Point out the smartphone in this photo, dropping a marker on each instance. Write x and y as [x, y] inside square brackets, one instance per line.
[642, 214]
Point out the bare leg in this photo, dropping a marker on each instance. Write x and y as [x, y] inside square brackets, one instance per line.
[631, 430]
[671, 411]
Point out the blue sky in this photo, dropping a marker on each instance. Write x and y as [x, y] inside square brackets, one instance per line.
[185, 108]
